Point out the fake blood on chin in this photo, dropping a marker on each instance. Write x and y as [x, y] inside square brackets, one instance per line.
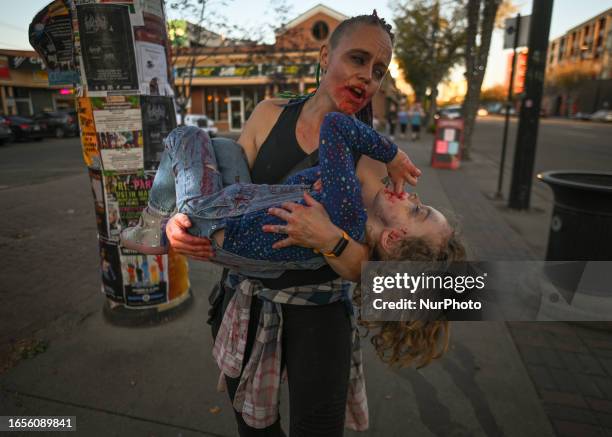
[348, 102]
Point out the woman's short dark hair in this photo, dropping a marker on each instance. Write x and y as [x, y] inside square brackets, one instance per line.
[372, 20]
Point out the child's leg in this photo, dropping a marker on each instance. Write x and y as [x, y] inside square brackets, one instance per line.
[193, 163]
[162, 195]
[231, 161]
[188, 170]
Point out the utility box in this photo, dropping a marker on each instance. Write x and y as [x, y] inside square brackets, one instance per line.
[448, 142]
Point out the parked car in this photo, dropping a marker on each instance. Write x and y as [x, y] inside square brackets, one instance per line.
[452, 111]
[6, 134]
[499, 108]
[57, 124]
[201, 121]
[602, 115]
[581, 116]
[25, 128]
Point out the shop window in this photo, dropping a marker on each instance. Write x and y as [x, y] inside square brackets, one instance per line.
[21, 93]
[209, 104]
[221, 99]
[320, 30]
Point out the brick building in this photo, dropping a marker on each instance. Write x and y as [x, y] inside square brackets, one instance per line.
[586, 47]
[229, 81]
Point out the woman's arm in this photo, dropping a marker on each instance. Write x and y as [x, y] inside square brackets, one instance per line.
[310, 226]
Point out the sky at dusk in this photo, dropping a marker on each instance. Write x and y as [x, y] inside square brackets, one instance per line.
[15, 18]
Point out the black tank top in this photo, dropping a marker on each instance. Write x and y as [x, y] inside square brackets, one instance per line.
[277, 156]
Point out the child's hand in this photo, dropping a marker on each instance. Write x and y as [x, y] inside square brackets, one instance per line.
[401, 170]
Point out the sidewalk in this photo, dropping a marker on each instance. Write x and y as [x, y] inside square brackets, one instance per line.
[160, 380]
[569, 365]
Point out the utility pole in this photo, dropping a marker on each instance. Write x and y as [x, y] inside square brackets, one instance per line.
[500, 180]
[529, 118]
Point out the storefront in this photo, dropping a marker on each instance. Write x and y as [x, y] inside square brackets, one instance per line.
[228, 81]
[228, 94]
[24, 86]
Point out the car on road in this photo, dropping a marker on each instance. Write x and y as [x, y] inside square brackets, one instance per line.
[201, 121]
[57, 124]
[602, 115]
[6, 134]
[581, 116]
[452, 111]
[25, 128]
[499, 108]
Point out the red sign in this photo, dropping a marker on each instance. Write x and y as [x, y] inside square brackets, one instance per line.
[519, 72]
[4, 68]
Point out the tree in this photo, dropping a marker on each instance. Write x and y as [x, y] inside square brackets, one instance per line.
[497, 93]
[482, 16]
[429, 42]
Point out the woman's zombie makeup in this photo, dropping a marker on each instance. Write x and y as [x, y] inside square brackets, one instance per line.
[356, 66]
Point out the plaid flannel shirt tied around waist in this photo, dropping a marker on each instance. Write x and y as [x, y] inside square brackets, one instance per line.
[258, 393]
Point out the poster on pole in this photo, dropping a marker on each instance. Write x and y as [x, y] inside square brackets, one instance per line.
[97, 189]
[152, 68]
[89, 139]
[110, 267]
[109, 61]
[126, 195]
[118, 123]
[50, 34]
[145, 278]
[158, 119]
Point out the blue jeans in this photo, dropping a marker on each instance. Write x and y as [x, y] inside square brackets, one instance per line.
[198, 176]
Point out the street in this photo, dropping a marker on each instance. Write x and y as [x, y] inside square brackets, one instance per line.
[562, 144]
[86, 367]
[36, 162]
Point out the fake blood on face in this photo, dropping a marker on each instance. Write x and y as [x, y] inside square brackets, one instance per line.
[348, 102]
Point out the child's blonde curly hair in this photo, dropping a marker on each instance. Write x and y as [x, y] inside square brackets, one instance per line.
[403, 344]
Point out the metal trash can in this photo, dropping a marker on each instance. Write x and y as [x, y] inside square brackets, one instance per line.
[581, 224]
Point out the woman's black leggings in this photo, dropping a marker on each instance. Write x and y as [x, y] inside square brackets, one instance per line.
[316, 350]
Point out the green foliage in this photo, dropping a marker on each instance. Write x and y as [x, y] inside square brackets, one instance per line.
[429, 41]
[497, 93]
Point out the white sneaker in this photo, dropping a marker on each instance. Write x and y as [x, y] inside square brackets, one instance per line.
[149, 235]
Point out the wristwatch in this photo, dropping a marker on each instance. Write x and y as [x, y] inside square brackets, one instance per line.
[338, 248]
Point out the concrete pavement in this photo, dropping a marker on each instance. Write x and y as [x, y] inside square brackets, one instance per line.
[160, 380]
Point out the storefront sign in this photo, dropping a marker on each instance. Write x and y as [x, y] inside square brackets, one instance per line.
[294, 70]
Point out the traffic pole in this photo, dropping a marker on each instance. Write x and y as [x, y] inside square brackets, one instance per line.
[500, 180]
[529, 117]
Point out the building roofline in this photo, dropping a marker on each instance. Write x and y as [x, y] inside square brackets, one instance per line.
[13, 52]
[312, 11]
[594, 17]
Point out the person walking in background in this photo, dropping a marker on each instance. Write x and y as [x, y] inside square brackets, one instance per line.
[416, 118]
[402, 117]
[392, 119]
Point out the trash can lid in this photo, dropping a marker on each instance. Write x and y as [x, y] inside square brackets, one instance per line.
[580, 179]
